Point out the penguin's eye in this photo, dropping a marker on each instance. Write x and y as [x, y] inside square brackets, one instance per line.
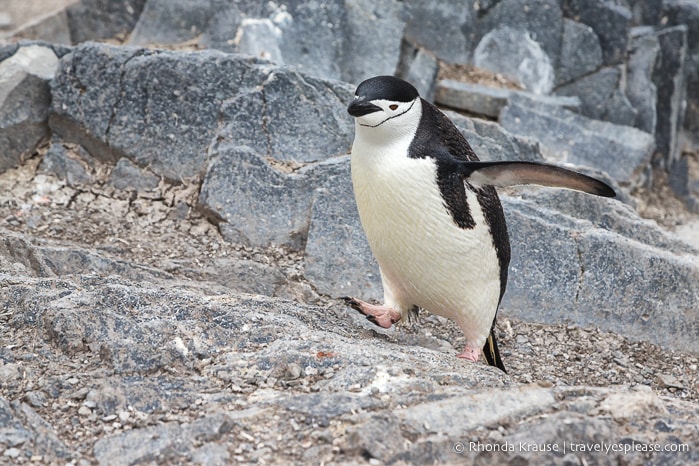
[393, 106]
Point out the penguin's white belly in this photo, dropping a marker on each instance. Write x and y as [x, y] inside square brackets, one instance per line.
[425, 258]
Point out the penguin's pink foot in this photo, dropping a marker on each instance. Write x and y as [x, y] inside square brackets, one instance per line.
[472, 354]
[383, 316]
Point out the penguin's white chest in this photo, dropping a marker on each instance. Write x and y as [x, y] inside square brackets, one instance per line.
[426, 260]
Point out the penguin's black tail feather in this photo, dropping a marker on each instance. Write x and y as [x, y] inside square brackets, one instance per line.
[491, 352]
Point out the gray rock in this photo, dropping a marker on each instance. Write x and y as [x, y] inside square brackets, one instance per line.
[489, 101]
[581, 53]
[542, 19]
[442, 29]
[595, 91]
[623, 152]
[342, 44]
[102, 19]
[438, 416]
[685, 12]
[258, 204]
[65, 165]
[420, 68]
[668, 77]
[51, 261]
[592, 285]
[363, 56]
[619, 110]
[126, 175]
[514, 54]
[175, 21]
[491, 142]
[289, 135]
[25, 431]
[211, 454]
[610, 21]
[84, 93]
[640, 88]
[110, 101]
[613, 216]
[24, 102]
[170, 441]
[221, 30]
[647, 12]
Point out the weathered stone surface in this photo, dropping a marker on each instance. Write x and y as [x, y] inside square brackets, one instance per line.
[686, 12]
[342, 45]
[640, 88]
[259, 205]
[491, 142]
[610, 21]
[24, 101]
[419, 67]
[110, 100]
[619, 110]
[623, 152]
[542, 19]
[24, 430]
[581, 53]
[260, 38]
[61, 162]
[585, 268]
[102, 19]
[175, 21]
[368, 57]
[167, 442]
[647, 11]
[513, 53]
[53, 28]
[438, 416]
[669, 79]
[439, 27]
[126, 175]
[595, 91]
[489, 101]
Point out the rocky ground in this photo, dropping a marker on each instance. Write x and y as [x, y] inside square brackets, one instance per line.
[160, 229]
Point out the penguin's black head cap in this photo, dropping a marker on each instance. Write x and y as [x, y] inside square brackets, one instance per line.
[380, 88]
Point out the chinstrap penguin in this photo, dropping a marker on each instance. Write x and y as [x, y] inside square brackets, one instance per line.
[431, 214]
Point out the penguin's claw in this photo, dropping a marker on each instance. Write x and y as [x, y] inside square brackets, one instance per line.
[472, 354]
[383, 316]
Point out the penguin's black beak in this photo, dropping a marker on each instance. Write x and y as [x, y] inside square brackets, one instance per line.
[360, 107]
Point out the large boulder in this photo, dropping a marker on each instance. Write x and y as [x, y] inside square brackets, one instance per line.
[111, 101]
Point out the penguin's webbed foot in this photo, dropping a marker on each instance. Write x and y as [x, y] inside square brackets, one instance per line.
[383, 316]
[470, 353]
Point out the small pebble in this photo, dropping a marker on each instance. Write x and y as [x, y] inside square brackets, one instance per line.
[12, 452]
[84, 411]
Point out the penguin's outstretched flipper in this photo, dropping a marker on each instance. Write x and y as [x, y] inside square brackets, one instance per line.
[506, 173]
